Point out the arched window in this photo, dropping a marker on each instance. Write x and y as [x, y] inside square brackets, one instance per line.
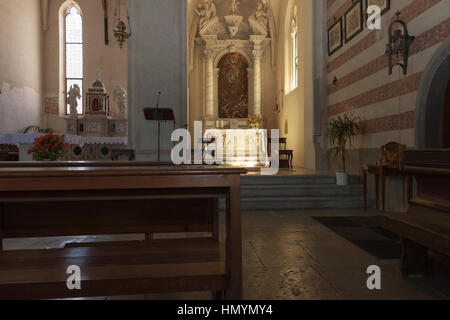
[73, 53]
[294, 52]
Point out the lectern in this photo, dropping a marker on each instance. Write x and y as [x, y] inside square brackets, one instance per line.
[159, 114]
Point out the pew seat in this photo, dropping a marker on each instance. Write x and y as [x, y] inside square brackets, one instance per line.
[157, 266]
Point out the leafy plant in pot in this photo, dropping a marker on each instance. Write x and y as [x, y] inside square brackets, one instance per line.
[342, 131]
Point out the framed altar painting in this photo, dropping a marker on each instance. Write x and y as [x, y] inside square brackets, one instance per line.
[335, 37]
[384, 5]
[354, 21]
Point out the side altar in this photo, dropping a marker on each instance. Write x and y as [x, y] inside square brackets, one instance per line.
[96, 120]
[98, 131]
[81, 148]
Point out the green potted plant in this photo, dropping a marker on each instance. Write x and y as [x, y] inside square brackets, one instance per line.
[342, 131]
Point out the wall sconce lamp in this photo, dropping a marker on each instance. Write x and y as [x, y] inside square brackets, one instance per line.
[399, 43]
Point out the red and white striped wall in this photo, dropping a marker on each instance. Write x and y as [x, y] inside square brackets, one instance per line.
[386, 103]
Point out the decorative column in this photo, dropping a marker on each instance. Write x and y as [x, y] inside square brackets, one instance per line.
[209, 87]
[257, 54]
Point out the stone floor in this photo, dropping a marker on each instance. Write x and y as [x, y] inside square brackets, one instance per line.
[289, 255]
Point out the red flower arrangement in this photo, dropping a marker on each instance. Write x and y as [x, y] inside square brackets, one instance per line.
[50, 147]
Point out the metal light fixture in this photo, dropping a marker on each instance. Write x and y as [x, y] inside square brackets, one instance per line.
[399, 43]
[120, 27]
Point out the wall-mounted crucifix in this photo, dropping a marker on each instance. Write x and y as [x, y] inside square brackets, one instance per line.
[105, 6]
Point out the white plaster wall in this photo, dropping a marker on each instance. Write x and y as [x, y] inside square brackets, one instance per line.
[110, 60]
[20, 65]
[291, 120]
[157, 61]
[303, 117]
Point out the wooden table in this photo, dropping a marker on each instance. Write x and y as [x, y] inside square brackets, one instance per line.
[381, 172]
[66, 199]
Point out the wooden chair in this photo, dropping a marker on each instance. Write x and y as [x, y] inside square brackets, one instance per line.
[390, 164]
[286, 156]
[32, 130]
[392, 154]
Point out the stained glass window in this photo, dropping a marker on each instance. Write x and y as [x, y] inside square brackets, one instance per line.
[74, 53]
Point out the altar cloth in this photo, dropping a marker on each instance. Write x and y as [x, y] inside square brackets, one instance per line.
[26, 138]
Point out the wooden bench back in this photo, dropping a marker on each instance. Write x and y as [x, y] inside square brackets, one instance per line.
[102, 212]
[107, 217]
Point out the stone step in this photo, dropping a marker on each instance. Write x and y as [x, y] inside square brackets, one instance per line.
[258, 191]
[301, 203]
[294, 180]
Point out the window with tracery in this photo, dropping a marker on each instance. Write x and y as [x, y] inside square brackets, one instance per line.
[73, 53]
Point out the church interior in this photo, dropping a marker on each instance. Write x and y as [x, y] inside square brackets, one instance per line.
[225, 149]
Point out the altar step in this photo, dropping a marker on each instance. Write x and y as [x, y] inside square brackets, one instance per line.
[315, 190]
[295, 180]
[299, 192]
[301, 203]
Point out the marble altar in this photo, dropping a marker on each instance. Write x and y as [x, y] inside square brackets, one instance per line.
[82, 148]
[240, 147]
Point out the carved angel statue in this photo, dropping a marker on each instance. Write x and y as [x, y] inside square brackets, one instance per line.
[120, 97]
[234, 5]
[72, 96]
[207, 12]
[260, 15]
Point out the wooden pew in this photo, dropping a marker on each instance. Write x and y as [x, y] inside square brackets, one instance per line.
[64, 199]
[9, 153]
[425, 228]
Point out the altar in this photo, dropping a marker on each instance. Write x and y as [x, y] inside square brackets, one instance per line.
[81, 148]
[231, 51]
[240, 147]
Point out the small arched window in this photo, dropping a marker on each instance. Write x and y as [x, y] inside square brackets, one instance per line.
[294, 47]
[73, 49]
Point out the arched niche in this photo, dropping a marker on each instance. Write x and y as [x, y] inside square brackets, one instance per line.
[431, 97]
[233, 86]
[226, 51]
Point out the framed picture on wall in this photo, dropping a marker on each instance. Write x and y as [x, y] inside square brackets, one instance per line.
[335, 37]
[354, 21]
[384, 5]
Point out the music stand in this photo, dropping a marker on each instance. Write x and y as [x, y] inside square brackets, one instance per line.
[159, 115]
